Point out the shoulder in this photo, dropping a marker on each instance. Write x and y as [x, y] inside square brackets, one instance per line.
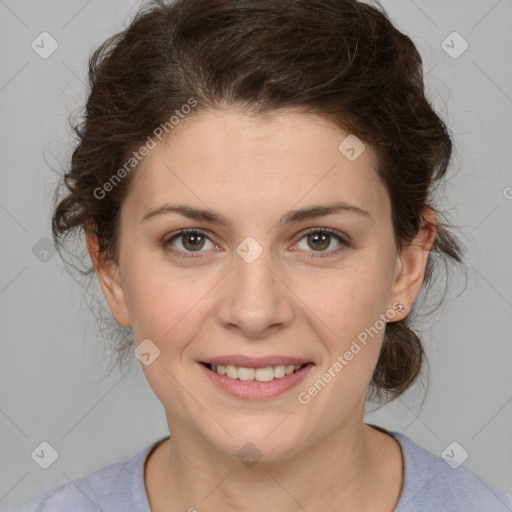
[431, 484]
[119, 486]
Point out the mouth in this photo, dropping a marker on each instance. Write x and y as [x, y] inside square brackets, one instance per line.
[261, 374]
[255, 383]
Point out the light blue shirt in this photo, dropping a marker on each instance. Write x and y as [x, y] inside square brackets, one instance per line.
[430, 485]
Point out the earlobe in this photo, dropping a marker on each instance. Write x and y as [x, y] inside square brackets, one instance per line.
[110, 281]
[412, 261]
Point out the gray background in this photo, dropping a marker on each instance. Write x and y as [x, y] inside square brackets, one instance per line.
[52, 357]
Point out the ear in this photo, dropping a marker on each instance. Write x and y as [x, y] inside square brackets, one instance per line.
[109, 279]
[411, 264]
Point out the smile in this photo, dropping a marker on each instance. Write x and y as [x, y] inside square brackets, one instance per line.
[264, 374]
[255, 383]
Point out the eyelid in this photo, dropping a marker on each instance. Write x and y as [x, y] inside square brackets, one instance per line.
[185, 254]
[184, 231]
[331, 231]
[341, 237]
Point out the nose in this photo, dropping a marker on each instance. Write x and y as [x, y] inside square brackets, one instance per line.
[255, 298]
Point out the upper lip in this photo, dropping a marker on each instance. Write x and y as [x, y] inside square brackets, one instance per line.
[255, 362]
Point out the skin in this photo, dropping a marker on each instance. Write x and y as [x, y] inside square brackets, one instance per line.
[253, 170]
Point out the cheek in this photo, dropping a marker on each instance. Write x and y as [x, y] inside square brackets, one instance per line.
[349, 309]
[165, 306]
[358, 324]
[168, 311]
[348, 299]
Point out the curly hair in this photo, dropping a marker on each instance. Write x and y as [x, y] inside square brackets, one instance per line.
[341, 59]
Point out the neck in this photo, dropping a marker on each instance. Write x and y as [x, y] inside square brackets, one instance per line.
[335, 472]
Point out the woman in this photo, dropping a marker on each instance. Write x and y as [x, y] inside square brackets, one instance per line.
[255, 181]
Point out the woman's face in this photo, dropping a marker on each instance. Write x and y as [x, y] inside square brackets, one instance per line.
[258, 285]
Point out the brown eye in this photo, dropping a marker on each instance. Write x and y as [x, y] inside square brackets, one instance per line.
[186, 242]
[192, 241]
[319, 240]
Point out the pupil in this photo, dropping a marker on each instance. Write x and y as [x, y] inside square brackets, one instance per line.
[196, 240]
[322, 238]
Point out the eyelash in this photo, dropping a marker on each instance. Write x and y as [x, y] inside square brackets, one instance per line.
[182, 254]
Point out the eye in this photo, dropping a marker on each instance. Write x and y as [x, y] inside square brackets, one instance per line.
[320, 239]
[191, 240]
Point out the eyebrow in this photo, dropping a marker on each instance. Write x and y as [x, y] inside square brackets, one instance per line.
[291, 217]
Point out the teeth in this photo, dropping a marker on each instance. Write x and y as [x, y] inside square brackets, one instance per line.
[247, 373]
[279, 371]
[231, 371]
[265, 374]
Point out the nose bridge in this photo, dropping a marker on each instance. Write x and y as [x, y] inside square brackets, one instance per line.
[254, 299]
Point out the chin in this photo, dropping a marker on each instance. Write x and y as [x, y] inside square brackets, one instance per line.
[256, 445]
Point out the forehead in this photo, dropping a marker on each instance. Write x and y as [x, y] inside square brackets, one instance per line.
[226, 160]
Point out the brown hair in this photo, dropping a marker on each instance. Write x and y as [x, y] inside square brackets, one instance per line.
[340, 59]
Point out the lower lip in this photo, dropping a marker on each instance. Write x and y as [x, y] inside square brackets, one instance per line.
[253, 389]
